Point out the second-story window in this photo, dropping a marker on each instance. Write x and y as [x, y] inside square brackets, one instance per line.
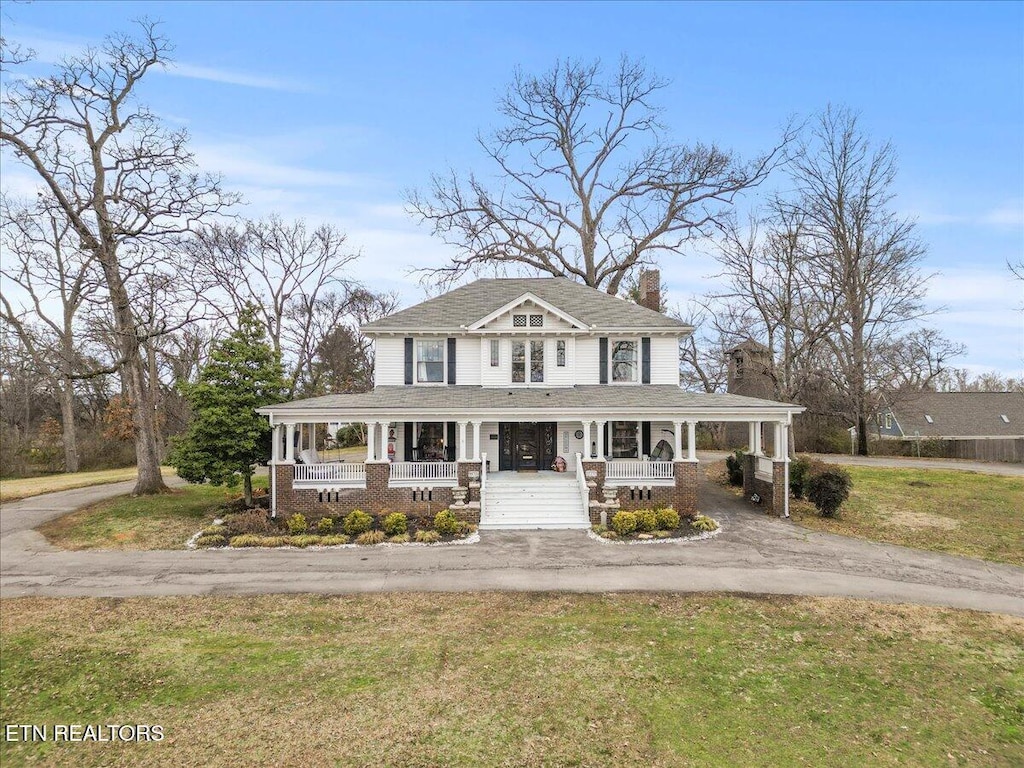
[527, 356]
[430, 361]
[536, 362]
[495, 353]
[624, 361]
[560, 353]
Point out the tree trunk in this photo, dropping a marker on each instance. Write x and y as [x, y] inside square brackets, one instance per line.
[67, 416]
[862, 435]
[147, 453]
[247, 485]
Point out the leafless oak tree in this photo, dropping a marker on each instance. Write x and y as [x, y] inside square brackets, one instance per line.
[589, 187]
[118, 177]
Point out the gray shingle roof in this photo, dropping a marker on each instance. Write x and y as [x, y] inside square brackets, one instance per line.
[961, 414]
[584, 398]
[468, 303]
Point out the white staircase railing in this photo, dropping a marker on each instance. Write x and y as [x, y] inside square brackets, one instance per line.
[637, 469]
[581, 482]
[335, 473]
[402, 471]
[483, 483]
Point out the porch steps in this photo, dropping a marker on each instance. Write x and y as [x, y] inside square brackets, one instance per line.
[544, 500]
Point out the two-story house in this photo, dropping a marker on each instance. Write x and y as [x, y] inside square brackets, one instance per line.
[484, 393]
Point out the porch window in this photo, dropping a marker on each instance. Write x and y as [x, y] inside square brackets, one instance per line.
[527, 357]
[430, 441]
[430, 361]
[624, 361]
[625, 440]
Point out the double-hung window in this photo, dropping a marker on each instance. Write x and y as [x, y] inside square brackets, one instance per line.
[624, 361]
[430, 362]
[527, 356]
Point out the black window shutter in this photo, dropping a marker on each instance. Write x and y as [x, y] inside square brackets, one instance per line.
[451, 441]
[407, 428]
[408, 360]
[602, 346]
[607, 439]
[645, 360]
[451, 361]
[645, 431]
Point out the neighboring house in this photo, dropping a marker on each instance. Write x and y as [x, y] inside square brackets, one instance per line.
[480, 391]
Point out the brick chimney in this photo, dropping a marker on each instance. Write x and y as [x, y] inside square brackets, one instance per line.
[650, 289]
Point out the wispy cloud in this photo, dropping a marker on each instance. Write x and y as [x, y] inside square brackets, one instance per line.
[1009, 214]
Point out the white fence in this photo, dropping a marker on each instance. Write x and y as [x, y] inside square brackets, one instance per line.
[419, 471]
[337, 474]
[636, 469]
[581, 484]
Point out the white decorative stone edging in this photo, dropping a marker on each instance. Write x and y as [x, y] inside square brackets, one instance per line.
[702, 536]
[191, 543]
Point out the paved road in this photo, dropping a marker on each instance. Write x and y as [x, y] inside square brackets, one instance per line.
[754, 553]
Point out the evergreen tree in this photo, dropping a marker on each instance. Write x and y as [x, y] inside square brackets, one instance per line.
[227, 438]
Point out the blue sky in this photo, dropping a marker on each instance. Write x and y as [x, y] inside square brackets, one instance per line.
[331, 110]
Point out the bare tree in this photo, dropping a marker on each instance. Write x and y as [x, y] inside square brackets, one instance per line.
[589, 187]
[120, 179]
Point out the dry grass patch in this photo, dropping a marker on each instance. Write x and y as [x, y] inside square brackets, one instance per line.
[23, 488]
[516, 679]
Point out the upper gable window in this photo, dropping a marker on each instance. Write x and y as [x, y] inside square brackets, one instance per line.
[518, 321]
[624, 361]
[536, 321]
[430, 361]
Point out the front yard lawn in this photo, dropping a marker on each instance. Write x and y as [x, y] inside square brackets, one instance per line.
[165, 521]
[24, 487]
[515, 679]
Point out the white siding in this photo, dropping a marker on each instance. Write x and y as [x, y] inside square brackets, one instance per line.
[467, 361]
[553, 374]
[389, 360]
[501, 375]
[664, 360]
[487, 445]
[587, 360]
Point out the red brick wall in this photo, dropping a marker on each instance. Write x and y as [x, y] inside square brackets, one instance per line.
[682, 496]
[773, 494]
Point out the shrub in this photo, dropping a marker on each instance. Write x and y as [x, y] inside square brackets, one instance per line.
[599, 529]
[662, 534]
[325, 526]
[609, 535]
[400, 538]
[297, 524]
[305, 541]
[798, 470]
[274, 541]
[395, 524]
[334, 540]
[646, 520]
[370, 537]
[668, 519]
[445, 523]
[357, 522]
[427, 537]
[247, 540]
[734, 466]
[704, 523]
[211, 540]
[215, 530]
[624, 522]
[249, 521]
[828, 490]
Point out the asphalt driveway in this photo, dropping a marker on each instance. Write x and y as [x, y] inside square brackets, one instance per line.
[754, 553]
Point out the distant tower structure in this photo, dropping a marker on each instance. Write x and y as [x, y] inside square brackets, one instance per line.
[750, 375]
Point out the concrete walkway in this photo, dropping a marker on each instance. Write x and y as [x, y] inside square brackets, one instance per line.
[754, 553]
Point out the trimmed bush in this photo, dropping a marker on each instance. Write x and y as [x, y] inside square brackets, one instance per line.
[357, 522]
[828, 490]
[249, 521]
[247, 540]
[211, 540]
[427, 537]
[646, 520]
[334, 540]
[704, 523]
[668, 519]
[370, 537]
[395, 524]
[305, 541]
[215, 530]
[401, 538]
[297, 524]
[801, 470]
[734, 466]
[325, 526]
[624, 522]
[446, 523]
[599, 529]
[609, 535]
[662, 534]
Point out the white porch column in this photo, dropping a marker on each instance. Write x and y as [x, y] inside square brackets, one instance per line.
[289, 442]
[461, 456]
[757, 438]
[476, 441]
[677, 448]
[600, 440]
[691, 441]
[383, 440]
[586, 440]
[369, 440]
[785, 456]
[751, 435]
[275, 447]
[779, 452]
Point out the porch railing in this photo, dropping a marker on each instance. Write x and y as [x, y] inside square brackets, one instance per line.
[637, 469]
[763, 469]
[483, 483]
[330, 474]
[411, 471]
[581, 483]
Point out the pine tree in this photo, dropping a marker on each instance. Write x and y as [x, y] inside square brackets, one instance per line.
[227, 438]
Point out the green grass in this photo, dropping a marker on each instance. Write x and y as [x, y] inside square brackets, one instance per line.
[165, 521]
[23, 488]
[956, 512]
[519, 680]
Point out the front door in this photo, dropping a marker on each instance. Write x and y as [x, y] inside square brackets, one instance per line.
[526, 446]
